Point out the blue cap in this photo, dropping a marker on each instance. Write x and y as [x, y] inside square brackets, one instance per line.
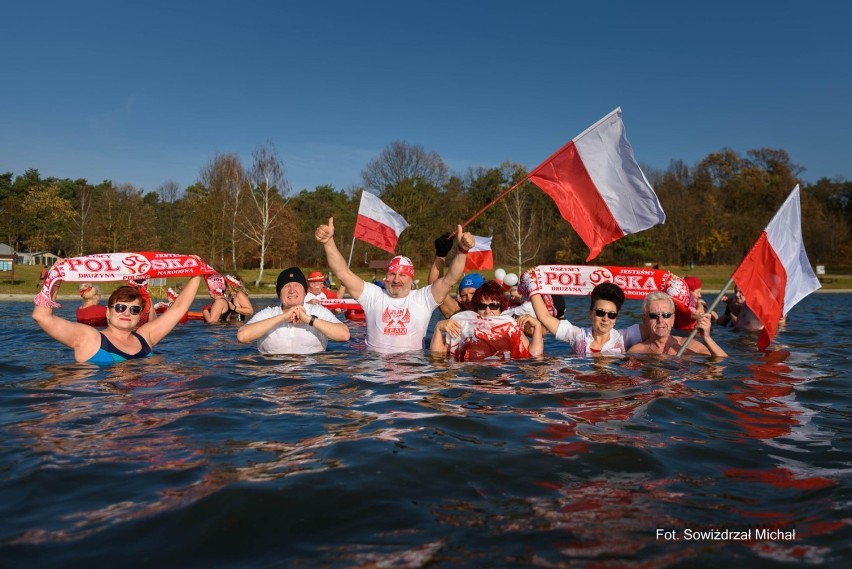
[473, 280]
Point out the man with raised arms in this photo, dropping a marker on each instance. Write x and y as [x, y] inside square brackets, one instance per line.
[397, 316]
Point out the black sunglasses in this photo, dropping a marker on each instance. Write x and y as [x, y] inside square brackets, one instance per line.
[601, 313]
[491, 305]
[656, 315]
[134, 309]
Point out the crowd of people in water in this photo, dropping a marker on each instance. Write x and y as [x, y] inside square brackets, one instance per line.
[483, 319]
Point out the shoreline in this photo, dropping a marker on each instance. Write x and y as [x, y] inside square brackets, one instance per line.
[13, 297]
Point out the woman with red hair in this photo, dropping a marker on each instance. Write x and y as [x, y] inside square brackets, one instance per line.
[485, 332]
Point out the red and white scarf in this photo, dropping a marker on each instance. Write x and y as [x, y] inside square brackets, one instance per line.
[106, 267]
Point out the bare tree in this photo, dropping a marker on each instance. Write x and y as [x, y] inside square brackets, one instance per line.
[400, 162]
[85, 197]
[520, 228]
[266, 204]
[169, 191]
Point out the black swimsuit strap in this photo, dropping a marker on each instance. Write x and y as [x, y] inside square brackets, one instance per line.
[108, 346]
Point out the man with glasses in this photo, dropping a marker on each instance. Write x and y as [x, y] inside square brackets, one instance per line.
[658, 315]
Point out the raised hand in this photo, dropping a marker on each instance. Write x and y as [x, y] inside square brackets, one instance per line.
[466, 240]
[324, 233]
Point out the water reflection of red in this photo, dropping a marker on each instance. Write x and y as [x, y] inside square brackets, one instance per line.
[621, 397]
[763, 406]
[780, 478]
[612, 523]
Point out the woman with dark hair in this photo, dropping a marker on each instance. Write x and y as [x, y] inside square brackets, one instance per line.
[123, 338]
[485, 332]
[602, 338]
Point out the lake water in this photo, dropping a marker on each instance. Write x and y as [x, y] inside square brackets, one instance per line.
[209, 455]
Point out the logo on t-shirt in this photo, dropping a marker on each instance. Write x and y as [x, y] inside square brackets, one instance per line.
[395, 320]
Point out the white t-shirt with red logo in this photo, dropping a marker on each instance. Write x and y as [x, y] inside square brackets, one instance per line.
[396, 325]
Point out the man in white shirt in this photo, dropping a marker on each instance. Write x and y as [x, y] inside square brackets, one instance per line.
[397, 316]
[293, 327]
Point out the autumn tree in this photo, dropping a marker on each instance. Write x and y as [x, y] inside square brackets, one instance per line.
[225, 181]
[46, 214]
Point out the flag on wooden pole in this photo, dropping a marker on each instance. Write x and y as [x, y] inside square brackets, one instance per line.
[598, 185]
[776, 273]
[378, 224]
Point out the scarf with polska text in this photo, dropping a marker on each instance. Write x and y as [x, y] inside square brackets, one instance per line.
[129, 267]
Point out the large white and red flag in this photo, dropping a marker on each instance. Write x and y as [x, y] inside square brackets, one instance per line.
[378, 224]
[598, 185]
[776, 273]
[479, 257]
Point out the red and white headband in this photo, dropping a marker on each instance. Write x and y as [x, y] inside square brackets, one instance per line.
[401, 265]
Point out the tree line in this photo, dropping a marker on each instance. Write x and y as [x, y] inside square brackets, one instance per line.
[246, 216]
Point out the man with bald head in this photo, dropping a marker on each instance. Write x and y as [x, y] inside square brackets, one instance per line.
[397, 316]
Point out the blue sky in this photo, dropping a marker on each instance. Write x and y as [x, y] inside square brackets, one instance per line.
[147, 92]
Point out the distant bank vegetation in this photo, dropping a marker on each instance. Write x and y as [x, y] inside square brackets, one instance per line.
[247, 217]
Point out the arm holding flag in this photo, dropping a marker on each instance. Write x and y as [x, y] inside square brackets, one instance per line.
[442, 286]
[443, 246]
[353, 283]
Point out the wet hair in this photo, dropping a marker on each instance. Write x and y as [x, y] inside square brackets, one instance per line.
[493, 291]
[608, 291]
[657, 295]
[125, 294]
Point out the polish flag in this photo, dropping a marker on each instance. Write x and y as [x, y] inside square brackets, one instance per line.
[598, 185]
[776, 274]
[479, 257]
[378, 224]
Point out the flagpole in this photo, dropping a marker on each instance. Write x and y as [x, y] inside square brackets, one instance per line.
[490, 204]
[709, 310]
[351, 249]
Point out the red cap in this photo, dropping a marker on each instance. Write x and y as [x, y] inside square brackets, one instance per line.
[694, 283]
[316, 276]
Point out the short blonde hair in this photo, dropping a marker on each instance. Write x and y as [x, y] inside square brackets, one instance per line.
[89, 290]
[657, 295]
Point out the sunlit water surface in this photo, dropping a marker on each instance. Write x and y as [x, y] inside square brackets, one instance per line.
[211, 455]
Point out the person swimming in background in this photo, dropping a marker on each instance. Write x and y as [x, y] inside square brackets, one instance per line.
[123, 338]
[222, 307]
[238, 297]
[90, 311]
[695, 285]
[171, 294]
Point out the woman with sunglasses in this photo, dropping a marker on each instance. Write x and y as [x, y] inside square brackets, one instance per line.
[485, 332]
[658, 312]
[123, 338]
[601, 338]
